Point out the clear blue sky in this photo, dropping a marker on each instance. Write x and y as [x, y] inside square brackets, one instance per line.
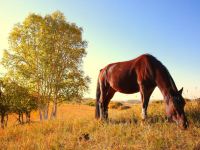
[122, 30]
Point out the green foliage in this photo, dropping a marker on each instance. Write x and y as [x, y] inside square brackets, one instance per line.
[4, 105]
[45, 56]
[16, 99]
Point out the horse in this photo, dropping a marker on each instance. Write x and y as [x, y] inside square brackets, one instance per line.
[142, 74]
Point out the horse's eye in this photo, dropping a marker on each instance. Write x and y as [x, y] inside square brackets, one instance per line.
[178, 98]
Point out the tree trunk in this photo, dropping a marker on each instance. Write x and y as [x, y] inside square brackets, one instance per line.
[19, 117]
[46, 111]
[41, 116]
[55, 102]
[2, 120]
[6, 121]
[54, 110]
[28, 117]
[22, 118]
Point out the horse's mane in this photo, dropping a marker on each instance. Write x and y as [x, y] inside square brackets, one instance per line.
[156, 62]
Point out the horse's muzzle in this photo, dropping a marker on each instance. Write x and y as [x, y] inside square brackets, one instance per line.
[182, 124]
[185, 125]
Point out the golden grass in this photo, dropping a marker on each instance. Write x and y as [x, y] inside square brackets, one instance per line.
[76, 128]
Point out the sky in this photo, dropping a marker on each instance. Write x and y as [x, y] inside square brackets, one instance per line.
[120, 30]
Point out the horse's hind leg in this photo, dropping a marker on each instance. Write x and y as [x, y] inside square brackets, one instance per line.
[109, 96]
[103, 91]
[106, 95]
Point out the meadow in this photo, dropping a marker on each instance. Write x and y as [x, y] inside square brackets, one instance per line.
[76, 128]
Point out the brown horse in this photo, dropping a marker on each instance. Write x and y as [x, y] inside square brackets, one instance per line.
[141, 74]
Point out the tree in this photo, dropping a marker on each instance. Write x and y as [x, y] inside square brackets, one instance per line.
[18, 100]
[4, 107]
[45, 55]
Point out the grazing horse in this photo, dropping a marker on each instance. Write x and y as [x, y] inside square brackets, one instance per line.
[141, 74]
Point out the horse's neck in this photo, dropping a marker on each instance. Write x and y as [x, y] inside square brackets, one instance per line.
[166, 84]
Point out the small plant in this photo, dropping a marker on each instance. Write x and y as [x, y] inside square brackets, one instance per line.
[90, 103]
[124, 107]
[115, 105]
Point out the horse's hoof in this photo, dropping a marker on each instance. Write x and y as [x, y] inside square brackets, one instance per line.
[144, 117]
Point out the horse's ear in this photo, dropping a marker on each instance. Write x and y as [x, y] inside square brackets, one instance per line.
[181, 91]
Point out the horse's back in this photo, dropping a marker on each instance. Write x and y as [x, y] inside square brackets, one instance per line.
[124, 76]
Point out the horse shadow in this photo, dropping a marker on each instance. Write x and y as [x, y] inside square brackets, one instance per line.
[125, 121]
[154, 119]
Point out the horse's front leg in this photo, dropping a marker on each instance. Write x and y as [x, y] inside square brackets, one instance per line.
[145, 103]
[145, 96]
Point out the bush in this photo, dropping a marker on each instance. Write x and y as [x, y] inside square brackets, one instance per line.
[115, 105]
[158, 102]
[124, 107]
[89, 102]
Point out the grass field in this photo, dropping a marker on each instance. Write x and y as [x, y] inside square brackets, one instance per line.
[76, 128]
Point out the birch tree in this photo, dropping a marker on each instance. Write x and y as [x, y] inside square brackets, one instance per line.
[45, 55]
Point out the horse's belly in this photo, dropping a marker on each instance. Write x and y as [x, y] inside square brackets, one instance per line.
[126, 87]
[130, 90]
[122, 79]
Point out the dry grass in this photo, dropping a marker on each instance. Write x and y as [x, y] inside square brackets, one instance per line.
[76, 128]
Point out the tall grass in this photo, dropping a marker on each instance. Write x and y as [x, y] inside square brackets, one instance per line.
[76, 128]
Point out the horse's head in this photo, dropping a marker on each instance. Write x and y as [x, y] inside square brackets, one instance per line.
[175, 109]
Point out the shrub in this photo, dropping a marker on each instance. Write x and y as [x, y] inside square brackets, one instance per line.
[115, 105]
[89, 102]
[124, 107]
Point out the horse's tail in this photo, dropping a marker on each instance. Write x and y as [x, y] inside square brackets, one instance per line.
[98, 94]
